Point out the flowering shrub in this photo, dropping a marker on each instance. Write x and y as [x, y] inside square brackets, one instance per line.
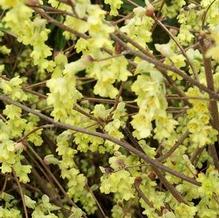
[109, 108]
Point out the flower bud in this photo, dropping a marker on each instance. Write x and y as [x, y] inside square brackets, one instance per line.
[152, 175]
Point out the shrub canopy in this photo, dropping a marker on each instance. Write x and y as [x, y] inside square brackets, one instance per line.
[109, 108]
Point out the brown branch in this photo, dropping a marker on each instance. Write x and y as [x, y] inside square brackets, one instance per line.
[128, 16]
[134, 43]
[97, 202]
[50, 191]
[108, 58]
[34, 130]
[32, 188]
[3, 118]
[72, 4]
[213, 108]
[195, 156]
[40, 168]
[141, 194]
[161, 7]
[21, 194]
[51, 175]
[133, 3]
[176, 194]
[123, 144]
[108, 101]
[80, 110]
[51, 9]
[27, 89]
[4, 184]
[162, 178]
[164, 67]
[116, 102]
[205, 13]
[42, 83]
[53, 192]
[187, 97]
[178, 45]
[159, 65]
[179, 91]
[58, 24]
[174, 147]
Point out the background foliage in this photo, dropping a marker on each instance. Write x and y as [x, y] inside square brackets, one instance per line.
[109, 108]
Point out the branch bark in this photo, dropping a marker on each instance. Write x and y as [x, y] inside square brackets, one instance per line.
[213, 108]
[123, 144]
[164, 67]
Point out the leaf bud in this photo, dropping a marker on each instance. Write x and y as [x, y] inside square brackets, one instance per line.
[149, 10]
[152, 175]
[88, 58]
[118, 48]
[138, 181]
[32, 2]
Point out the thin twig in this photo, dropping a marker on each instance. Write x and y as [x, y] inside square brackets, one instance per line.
[51, 9]
[34, 130]
[133, 3]
[161, 7]
[51, 174]
[42, 83]
[179, 91]
[50, 191]
[108, 101]
[21, 194]
[188, 97]
[72, 4]
[174, 147]
[80, 110]
[128, 16]
[205, 13]
[141, 193]
[195, 156]
[58, 24]
[3, 118]
[176, 194]
[27, 89]
[162, 178]
[213, 108]
[178, 45]
[4, 184]
[40, 168]
[108, 58]
[97, 202]
[116, 102]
